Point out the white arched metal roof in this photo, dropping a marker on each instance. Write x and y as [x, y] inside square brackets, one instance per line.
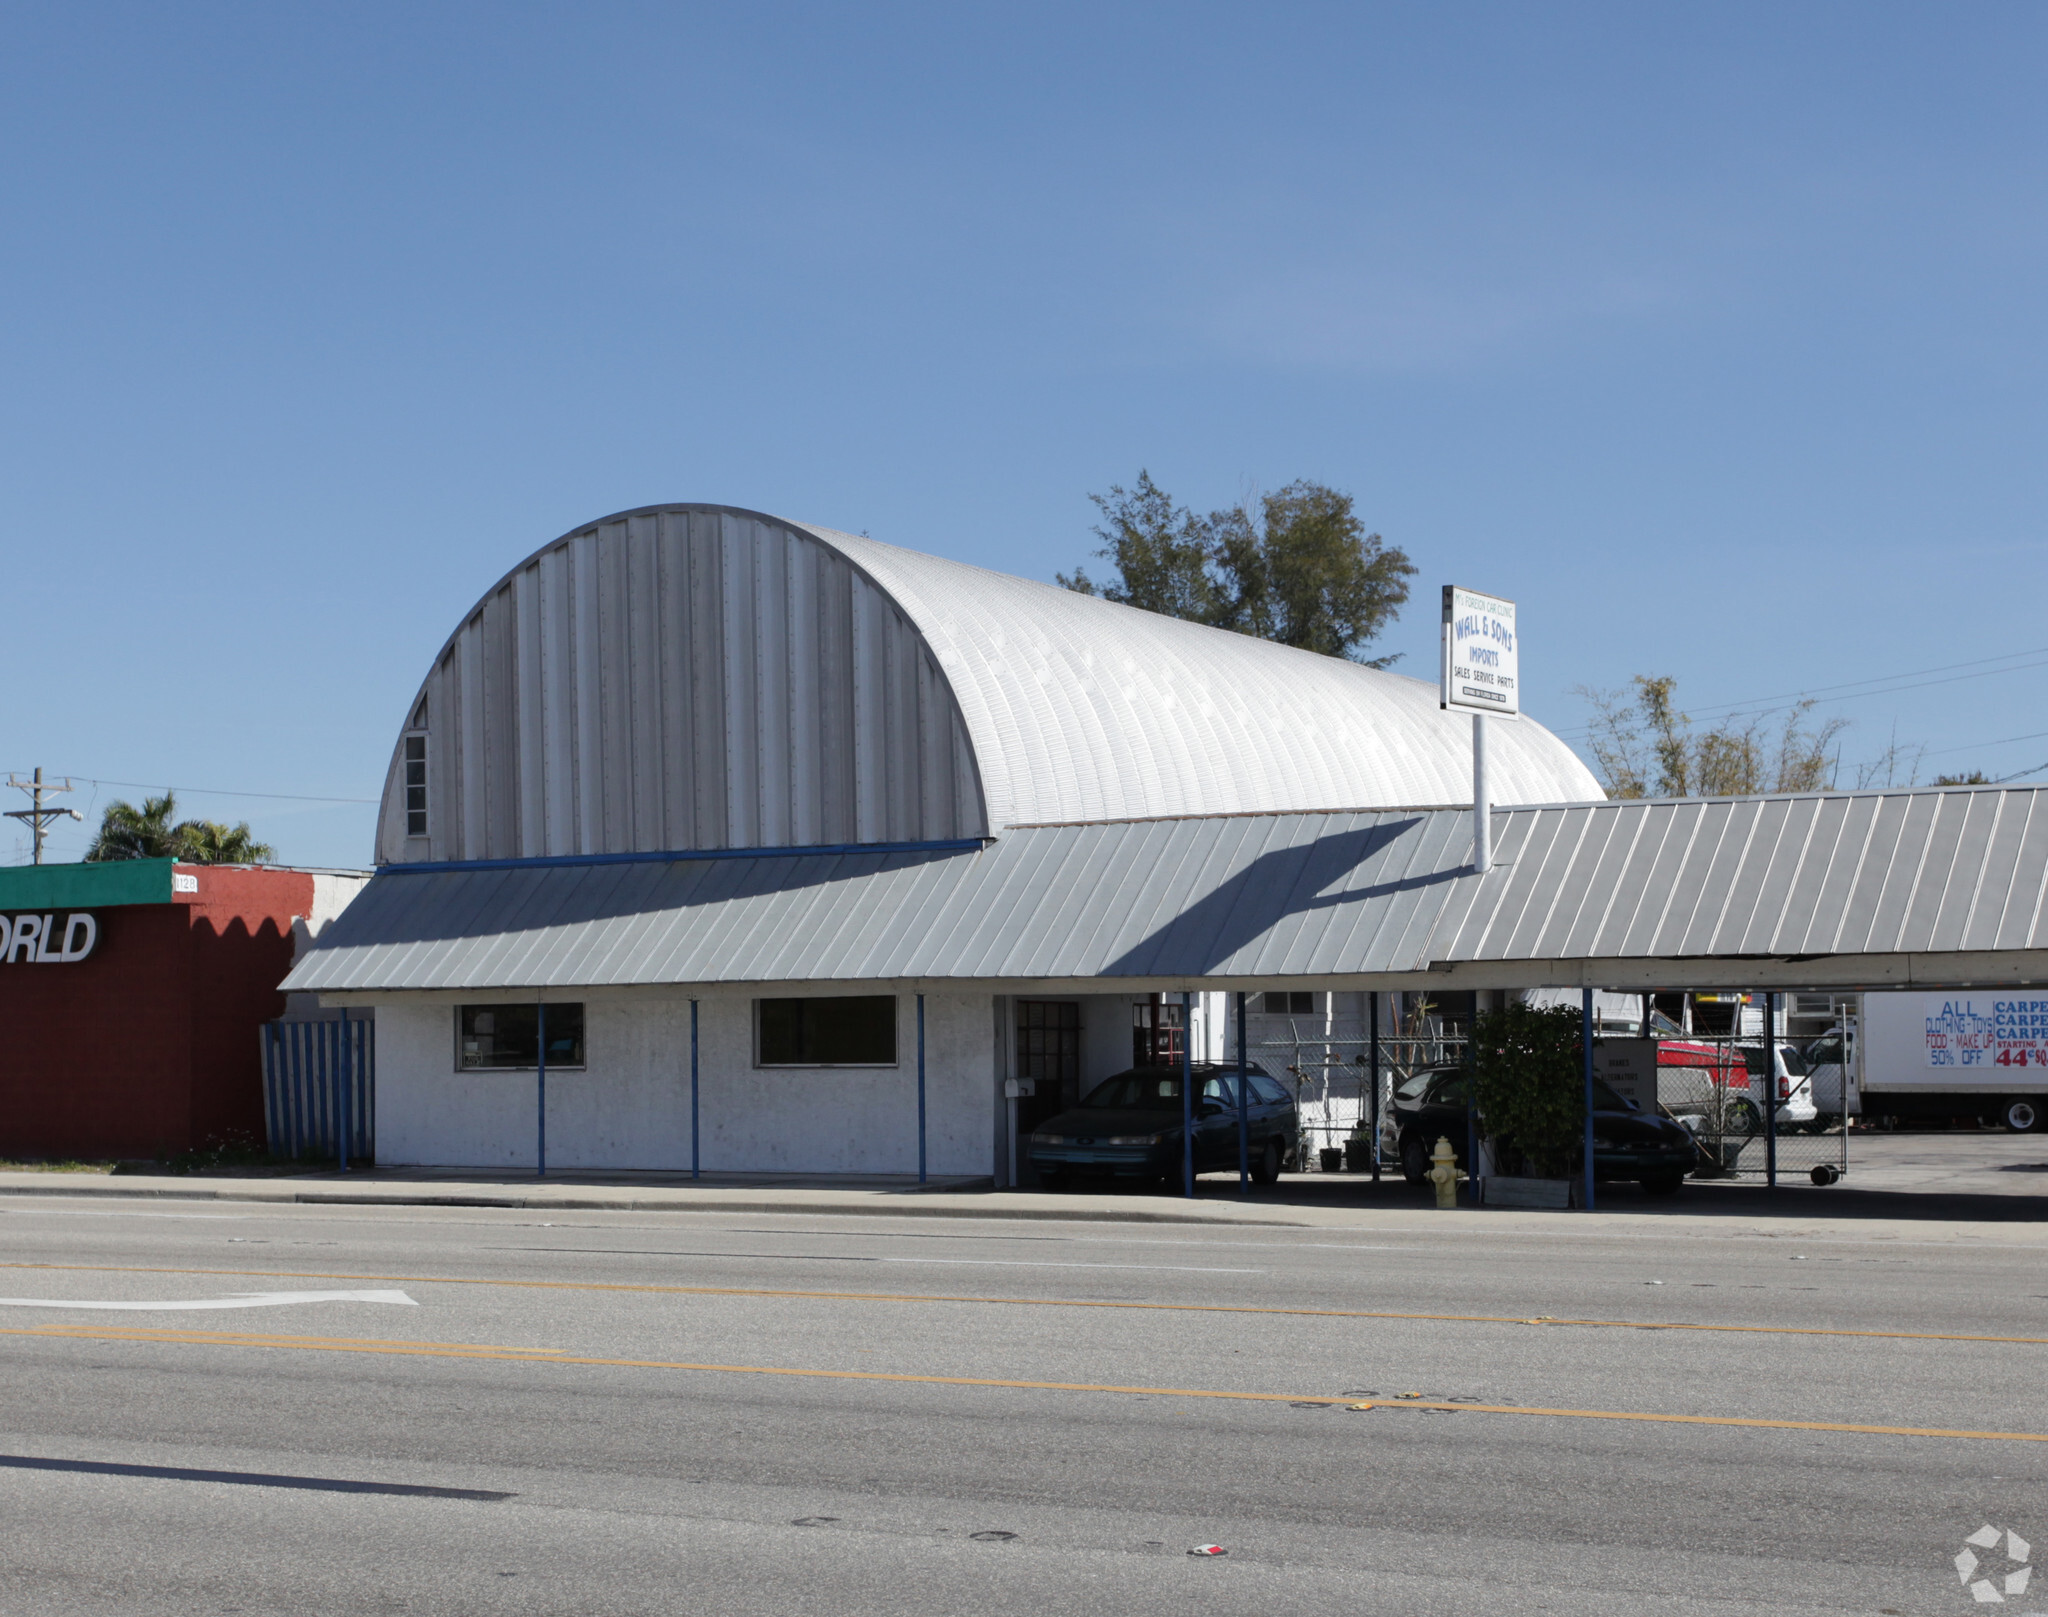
[1081, 709]
[702, 677]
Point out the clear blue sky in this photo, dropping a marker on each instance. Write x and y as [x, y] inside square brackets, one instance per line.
[1715, 335]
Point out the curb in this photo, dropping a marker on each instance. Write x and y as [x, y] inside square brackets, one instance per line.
[888, 1206]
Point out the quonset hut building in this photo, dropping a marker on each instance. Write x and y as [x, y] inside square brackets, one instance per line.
[808, 842]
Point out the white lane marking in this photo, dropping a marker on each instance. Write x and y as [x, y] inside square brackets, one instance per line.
[245, 1299]
[1029, 1263]
[122, 1212]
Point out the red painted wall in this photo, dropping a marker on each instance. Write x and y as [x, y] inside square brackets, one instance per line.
[149, 1047]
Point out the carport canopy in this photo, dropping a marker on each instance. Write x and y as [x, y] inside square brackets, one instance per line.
[1905, 888]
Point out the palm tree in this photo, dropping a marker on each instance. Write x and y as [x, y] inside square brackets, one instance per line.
[208, 842]
[127, 832]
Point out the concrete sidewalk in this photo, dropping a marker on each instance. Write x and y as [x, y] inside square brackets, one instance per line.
[1305, 1201]
[886, 1195]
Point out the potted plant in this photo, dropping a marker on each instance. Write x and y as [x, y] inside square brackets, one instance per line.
[1529, 1067]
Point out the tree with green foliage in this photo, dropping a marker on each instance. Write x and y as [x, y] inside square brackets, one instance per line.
[127, 832]
[1161, 552]
[1296, 566]
[1529, 1063]
[208, 842]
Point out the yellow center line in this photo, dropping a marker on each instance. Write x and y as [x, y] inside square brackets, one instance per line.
[519, 1355]
[1047, 1302]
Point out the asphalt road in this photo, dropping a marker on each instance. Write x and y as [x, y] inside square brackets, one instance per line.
[586, 1413]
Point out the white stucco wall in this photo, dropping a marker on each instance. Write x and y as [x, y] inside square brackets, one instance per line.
[630, 1107]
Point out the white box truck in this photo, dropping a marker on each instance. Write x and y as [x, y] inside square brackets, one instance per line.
[1979, 1055]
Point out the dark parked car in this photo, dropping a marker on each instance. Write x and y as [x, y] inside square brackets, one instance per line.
[1129, 1127]
[1627, 1143]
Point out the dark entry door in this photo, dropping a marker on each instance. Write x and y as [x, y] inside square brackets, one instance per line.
[1048, 1050]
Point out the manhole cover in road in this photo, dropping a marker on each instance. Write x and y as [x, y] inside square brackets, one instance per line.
[995, 1535]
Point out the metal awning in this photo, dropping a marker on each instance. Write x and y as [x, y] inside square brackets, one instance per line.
[1929, 887]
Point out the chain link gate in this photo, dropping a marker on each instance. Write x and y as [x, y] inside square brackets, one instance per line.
[1719, 1089]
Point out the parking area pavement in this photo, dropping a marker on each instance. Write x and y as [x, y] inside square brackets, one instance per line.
[1976, 1162]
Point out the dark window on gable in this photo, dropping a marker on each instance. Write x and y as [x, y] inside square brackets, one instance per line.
[843, 1031]
[1289, 1002]
[415, 785]
[507, 1037]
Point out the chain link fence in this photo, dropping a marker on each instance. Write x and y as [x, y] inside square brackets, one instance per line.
[1717, 1088]
[1330, 1076]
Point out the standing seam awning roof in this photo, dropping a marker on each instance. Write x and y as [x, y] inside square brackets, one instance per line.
[1887, 888]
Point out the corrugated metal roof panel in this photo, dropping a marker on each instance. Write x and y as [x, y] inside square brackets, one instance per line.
[2021, 901]
[1246, 897]
[694, 677]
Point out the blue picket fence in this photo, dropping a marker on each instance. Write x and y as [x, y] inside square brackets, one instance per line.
[315, 1074]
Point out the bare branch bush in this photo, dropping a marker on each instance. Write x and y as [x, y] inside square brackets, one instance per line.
[1643, 746]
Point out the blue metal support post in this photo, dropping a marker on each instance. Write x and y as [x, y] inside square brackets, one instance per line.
[920, 1090]
[541, 1096]
[695, 1167]
[1372, 1001]
[1472, 1095]
[1771, 1091]
[1586, 1040]
[1244, 1107]
[1187, 1094]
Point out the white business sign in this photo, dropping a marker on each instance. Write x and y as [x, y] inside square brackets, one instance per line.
[1482, 671]
[58, 939]
[1629, 1067]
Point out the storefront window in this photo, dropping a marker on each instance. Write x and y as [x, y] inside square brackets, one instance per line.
[1288, 1002]
[843, 1031]
[507, 1037]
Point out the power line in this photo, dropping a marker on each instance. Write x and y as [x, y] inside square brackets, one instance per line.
[210, 791]
[1853, 689]
[1943, 752]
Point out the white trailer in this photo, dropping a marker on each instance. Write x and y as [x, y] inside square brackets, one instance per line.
[1955, 1055]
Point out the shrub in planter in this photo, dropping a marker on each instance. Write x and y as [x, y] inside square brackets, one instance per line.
[1529, 1063]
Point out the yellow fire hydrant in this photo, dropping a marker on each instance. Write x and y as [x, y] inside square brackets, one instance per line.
[1444, 1175]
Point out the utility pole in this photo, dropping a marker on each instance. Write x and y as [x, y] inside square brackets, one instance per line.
[39, 817]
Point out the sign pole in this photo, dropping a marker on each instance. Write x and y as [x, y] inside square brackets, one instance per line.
[1482, 818]
[1482, 675]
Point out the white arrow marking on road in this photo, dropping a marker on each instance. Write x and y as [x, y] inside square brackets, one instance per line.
[246, 1299]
